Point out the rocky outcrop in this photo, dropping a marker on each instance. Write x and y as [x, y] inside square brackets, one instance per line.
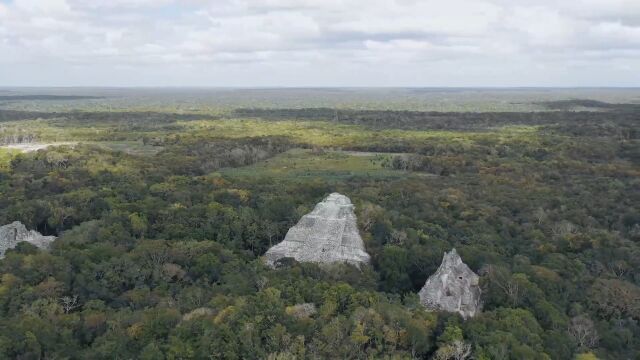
[16, 232]
[454, 288]
[197, 313]
[328, 234]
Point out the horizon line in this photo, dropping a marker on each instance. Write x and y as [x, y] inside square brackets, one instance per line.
[277, 87]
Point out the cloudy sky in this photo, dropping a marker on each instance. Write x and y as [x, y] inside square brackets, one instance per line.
[320, 43]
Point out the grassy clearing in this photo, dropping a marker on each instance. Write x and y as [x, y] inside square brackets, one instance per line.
[315, 133]
[303, 163]
[129, 147]
[328, 134]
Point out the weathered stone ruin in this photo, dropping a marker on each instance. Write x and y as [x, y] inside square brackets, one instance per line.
[302, 311]
[16, 232]
[454, 288]
[197, 313]
[328, 234]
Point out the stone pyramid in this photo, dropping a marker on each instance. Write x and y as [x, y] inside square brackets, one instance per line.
[328, 234]
[454, 287]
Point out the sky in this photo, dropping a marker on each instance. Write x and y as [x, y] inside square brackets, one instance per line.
[300, 43]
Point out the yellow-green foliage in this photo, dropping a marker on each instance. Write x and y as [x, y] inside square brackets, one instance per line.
[339, 135]
[586, 356]
[305, 163]
[5, 157]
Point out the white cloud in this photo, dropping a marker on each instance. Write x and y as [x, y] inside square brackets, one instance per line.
[115, 4]
[323, 40]
[51, 7]
[616, 34]
[543, 26]
[453, 17]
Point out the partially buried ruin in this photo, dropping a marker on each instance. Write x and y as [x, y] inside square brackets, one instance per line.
[454, 287]
[16, 232]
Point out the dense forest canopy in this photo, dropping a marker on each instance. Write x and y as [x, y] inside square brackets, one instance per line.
[163, 215]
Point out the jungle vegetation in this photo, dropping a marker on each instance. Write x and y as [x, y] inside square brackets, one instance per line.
[162, 218]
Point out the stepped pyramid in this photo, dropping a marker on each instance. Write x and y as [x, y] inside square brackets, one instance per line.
[328, 234]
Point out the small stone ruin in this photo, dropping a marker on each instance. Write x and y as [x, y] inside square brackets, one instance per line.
[16, 232]
[454, 287]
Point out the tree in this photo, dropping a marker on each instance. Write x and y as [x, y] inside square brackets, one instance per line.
[69, 303]
[583, 332]
[452, 345]
[393, 265]
[138, 224]
[358, 336]
[613, 298]
[457, 350]
[506, 282]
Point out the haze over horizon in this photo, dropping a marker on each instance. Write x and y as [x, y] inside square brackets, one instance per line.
[311, 43]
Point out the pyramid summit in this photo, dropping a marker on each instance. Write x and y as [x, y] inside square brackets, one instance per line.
[328, 234]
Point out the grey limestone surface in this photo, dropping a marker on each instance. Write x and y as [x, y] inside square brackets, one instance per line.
[454, 287]
[16, 232]
[328, 234]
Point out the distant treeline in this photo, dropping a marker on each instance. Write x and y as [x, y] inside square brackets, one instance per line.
[586, 103]
[147, 117]
[46, 97]
[618, 122]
